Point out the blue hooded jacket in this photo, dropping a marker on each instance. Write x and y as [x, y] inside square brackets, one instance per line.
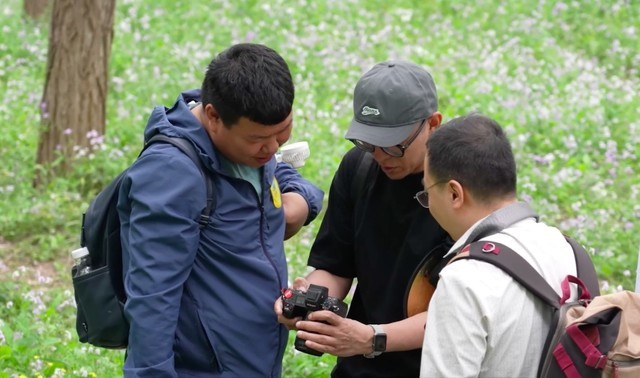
[200, 302]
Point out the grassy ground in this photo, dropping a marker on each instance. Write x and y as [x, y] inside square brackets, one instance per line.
[562, 78]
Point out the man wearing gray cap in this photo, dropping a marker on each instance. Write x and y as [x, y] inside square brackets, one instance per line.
[376, 232]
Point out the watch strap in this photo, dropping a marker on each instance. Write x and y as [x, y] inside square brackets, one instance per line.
[379, 341]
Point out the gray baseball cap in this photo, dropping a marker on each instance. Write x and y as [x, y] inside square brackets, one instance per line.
[389, 101]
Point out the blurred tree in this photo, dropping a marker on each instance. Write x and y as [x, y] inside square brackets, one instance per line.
[35, 8]
[75, 91]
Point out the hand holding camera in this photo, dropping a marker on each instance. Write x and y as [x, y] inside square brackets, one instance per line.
[296, 303]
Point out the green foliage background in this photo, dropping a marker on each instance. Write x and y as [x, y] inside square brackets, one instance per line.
[562, 78]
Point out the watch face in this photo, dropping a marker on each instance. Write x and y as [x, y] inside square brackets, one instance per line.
[379, 343]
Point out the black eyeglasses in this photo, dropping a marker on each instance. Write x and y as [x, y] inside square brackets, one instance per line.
[395, 151]
[423, 195]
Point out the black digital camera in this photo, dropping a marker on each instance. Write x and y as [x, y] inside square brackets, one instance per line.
[297, 303]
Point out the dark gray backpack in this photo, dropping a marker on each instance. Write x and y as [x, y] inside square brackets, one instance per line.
[100, 294]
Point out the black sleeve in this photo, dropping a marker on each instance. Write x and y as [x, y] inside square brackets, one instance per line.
[333, 248]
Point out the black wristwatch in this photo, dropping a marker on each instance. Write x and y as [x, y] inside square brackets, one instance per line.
[379, 343]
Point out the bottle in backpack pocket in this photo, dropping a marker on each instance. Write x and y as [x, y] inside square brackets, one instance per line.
[82, 261]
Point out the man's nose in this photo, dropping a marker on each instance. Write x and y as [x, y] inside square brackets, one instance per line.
[271, 146]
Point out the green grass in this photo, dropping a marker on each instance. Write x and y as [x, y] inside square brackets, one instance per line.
[562, 78]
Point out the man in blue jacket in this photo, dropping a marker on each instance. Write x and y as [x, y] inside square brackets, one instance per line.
[200, 301]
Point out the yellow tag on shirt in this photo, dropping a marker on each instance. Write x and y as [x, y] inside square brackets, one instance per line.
[275, 193]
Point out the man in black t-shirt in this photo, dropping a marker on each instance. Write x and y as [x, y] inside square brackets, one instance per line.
[378, 235]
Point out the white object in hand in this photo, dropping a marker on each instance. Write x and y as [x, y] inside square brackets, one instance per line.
[295, 153]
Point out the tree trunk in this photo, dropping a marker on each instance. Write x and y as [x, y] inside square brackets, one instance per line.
[75, 91]
[35, 8]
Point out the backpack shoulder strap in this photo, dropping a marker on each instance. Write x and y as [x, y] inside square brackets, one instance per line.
[585, 268]
[513, 264]
[188, 149]
[365, 162]
[517, 267]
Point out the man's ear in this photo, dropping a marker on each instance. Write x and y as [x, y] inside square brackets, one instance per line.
[211, 119]
[456, 194]
[435, 120]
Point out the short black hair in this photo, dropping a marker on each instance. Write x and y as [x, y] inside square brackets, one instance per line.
[474, 151]
[249, 80]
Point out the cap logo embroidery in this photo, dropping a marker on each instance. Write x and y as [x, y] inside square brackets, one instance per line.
[370, 111]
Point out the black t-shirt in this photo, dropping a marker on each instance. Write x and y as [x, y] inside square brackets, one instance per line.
[380, 237]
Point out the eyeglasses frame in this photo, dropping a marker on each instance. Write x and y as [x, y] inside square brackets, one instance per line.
[423, 196]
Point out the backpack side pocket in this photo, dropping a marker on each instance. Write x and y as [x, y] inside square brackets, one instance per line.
[100, 319]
